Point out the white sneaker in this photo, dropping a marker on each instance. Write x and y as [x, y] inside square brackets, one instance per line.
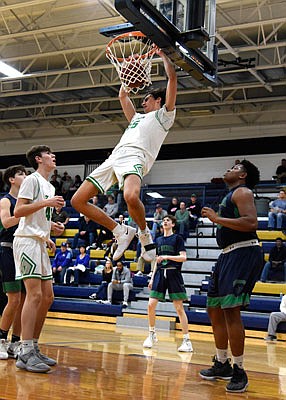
[3, 349]
[106, 302]
[150, 274]
[139, 273]
[123, 240]
[14, 349]
[186, 346]
[151, 339]
[92, 296]
[148, 247]
[124, 304]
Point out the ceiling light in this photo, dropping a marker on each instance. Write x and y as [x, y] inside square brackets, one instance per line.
[9, 71]
[155, 195]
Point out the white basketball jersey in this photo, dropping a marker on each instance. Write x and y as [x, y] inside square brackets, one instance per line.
[36, 188]
[148, 131]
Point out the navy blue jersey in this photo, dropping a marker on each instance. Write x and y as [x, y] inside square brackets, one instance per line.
[170, 245]
[226, 236]
[7, 235]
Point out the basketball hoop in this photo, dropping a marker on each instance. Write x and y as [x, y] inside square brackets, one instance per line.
[131, 53]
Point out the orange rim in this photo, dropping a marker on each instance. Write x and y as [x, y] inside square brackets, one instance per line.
[122, 36]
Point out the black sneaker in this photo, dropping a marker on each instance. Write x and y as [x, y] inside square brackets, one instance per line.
[217, 371]
[238, 382]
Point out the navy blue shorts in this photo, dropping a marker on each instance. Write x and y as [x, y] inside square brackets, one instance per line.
[170, 279]
[234, 276]
[7, 267]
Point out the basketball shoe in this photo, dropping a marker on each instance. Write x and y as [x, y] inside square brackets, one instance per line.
[123, 240]
[217, 371]
[14, 349]
[238, 382]
[148, 251]
[45, 359]
[151, 340]
[3, 349]
[186, 346]
[31, 362]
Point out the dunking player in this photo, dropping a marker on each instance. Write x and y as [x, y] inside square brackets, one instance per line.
[235, 273]
[132, 159]
[35, 203]
[13, 177]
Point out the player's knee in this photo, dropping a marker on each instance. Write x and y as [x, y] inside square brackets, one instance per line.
[14, 301]
[131, 198]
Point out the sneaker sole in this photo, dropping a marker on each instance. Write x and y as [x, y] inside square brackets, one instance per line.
[238, 391]
[214, 378]
[186, 351]
[4, 356]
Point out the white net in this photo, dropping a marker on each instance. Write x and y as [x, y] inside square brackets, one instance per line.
[131, 54]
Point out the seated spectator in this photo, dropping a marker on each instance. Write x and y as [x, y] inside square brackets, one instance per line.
[195, 209]
[274, 319]
[80, 266]
[182, 217]
[111, 208]
[173, 206]
[61, 262]
[281, 172]
[277, 213]
[87, 232]
[101, 293]
[159, 214]
[277, 260]
[60, 215]
[121, 280]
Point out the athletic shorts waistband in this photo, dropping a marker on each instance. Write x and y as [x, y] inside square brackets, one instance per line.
[234, 246]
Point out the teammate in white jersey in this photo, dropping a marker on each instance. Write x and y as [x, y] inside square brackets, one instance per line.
[35, 203]
[130, 160]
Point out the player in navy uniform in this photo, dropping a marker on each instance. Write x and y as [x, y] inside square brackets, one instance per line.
[167, 275]
[13, 177]
[235, 273]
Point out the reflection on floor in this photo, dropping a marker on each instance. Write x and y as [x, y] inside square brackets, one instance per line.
[100, 361]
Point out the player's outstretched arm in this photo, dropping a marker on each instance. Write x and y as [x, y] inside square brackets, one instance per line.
[171, 90]
[126, 104]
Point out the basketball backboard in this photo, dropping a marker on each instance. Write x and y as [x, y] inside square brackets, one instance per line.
[183, 29]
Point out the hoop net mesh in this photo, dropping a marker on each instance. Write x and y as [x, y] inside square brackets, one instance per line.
[132, 54]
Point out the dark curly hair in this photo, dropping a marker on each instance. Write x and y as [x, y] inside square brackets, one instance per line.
[253, 174]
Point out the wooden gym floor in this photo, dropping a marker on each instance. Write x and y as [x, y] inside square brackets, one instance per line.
[102, 361]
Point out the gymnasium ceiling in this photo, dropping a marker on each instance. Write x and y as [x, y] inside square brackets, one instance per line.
[70, 89]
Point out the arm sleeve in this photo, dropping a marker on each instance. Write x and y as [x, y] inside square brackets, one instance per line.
[67, 259]
[127, 276]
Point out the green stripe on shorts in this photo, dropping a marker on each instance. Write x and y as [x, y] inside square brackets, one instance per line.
[178, 296]
[157, 295]
[12, 287]
[95, 183]
[229, 301]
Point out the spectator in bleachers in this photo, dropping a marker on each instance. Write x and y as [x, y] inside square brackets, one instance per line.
[173, 206]
[76, 184]
[56, 185]
[96, 201]
[277, 213]
[194, 211]
[56, 175]
[274, 319]
[60, 215]
[159, 214]
[281, 172]
[111, 208]
[79, 268]
[66, 184]
[121, 280]
[277, 260]
[182, 217]
[87, 232]
[62, 261]
[101, 293]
